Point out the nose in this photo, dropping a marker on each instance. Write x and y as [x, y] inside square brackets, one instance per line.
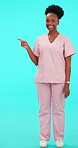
[50, 23]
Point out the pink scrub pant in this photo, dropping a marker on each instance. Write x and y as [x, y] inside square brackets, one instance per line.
[51, 93]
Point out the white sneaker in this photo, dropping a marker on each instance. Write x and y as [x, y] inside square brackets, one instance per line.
[43, 143]
[59, 143]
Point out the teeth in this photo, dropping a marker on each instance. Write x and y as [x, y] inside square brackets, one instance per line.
[50, 27]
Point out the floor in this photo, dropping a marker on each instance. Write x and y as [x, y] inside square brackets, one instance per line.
[19, 124]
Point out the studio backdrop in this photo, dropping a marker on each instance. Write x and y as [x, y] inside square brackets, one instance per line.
[19, 123]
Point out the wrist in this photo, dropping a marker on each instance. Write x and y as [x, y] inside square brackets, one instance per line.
[67, 82]
[28, 48]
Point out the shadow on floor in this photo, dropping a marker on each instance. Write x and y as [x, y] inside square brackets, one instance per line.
[65, 146]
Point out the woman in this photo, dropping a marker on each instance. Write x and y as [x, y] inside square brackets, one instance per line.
[52, 53]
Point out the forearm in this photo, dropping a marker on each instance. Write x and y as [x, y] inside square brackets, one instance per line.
[30, 52]
[66, 89]
[67, 73]
[67, 68]
[32, 56]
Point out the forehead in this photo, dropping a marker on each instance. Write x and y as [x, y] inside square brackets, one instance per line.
[51, 16]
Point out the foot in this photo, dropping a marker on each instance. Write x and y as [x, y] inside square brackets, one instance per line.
[43, 143]
[59, 143]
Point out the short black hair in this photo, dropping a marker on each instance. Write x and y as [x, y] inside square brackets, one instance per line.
[55, 9]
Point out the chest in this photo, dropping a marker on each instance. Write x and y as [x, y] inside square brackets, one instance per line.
[51, 39]
[55, 48]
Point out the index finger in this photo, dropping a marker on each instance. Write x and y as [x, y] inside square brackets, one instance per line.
[20, 40]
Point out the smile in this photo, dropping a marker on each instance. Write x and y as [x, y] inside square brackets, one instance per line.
[50, 27]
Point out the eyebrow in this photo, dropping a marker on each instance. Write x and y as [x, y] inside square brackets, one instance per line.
[51, 19]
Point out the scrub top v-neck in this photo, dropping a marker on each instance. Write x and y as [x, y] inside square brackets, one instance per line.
[51, 62]
[54, 39]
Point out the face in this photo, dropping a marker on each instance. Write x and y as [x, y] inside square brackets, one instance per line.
[51, 21]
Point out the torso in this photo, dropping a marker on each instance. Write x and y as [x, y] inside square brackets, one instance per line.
[51, 63]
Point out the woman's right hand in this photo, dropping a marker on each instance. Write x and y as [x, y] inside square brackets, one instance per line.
[24, 44]
[30, 52]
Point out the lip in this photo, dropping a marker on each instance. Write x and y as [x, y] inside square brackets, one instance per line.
[50, 27]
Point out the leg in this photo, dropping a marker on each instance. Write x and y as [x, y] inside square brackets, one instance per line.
[58, 102]
[44, 98]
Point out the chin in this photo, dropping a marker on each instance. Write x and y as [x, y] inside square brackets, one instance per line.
[51, 29]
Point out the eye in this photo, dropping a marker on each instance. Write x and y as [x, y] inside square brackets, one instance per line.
[53, 20]
[47, 21]
[50, 21]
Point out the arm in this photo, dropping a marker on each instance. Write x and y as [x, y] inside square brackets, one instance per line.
[32, 56]
[66, 89]
[67, 68]
[30, 52]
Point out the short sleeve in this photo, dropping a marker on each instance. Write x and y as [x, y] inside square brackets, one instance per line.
[68, 48]
[35, 49]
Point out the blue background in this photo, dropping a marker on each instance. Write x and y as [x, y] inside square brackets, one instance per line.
[19, 123]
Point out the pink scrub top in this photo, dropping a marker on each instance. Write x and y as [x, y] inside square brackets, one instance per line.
[51, 63]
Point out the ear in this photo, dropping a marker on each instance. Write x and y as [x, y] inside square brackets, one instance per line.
[58, 22]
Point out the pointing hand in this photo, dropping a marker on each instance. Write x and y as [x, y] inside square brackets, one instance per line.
[24, 44]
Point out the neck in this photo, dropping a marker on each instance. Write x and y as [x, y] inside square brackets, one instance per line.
[53, 32]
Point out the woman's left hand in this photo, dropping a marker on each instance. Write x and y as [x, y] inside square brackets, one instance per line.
[66, 90]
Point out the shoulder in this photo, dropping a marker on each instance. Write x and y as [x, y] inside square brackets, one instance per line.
[41, 37]
[65, 38]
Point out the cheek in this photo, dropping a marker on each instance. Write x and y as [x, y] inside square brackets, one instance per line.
[55, 24]
[46, 24]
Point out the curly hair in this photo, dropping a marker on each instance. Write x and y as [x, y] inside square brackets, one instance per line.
[55, 9]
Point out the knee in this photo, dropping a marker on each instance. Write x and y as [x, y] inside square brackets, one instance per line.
[43, 111]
